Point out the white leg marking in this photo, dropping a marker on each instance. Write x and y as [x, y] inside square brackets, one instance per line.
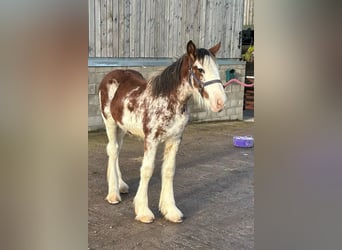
[123, 187]
[142, 211]
[167, 204]
[113, 196]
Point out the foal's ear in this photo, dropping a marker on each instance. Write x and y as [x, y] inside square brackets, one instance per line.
[191, 50]
[215, 48]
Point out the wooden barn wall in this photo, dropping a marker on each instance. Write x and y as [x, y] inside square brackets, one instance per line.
[248, 16]
[161, 28]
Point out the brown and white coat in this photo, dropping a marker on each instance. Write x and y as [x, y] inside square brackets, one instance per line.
[156, 110]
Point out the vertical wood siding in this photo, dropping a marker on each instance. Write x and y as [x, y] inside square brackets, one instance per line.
[161, 28]
[248, 17]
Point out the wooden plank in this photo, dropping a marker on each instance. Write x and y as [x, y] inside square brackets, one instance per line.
[235, 35]
[191, 7]
[115, 44]
[136, 20]
[223, 37]
[248, 12]
[177, 15]
[237, 27]
[97, 28]
[158, 22]
[182, 27]
[240, 27]
[162, 36]
[132, 28]
[172, 27]
[202, 20]
[142, 29]
[208, 16]
[219, 25]
[224, 29]
[167, 33]
[177, 31]
[220, 31]
[246, 8]
[127, 21]
[121, 28]
[212, 26]
[91, 34]
[147, 28]
[152, 29]
[157, 18]
[232, 29]
[109, 28]
[185, 22]
[163, 30]
[177, 7]
[196, 22]
[103, 25]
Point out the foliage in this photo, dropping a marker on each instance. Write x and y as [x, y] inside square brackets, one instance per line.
[249, 55]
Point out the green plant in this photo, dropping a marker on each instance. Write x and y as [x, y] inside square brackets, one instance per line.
[249, 55]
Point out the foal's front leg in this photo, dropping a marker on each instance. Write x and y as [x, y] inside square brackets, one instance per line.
[167, 204]
[142, 211]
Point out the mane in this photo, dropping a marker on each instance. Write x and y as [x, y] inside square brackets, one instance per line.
[167, 82]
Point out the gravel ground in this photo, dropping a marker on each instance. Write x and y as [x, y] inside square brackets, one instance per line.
[213, 188]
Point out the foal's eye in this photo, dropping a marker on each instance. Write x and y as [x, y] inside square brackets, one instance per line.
[201, 71]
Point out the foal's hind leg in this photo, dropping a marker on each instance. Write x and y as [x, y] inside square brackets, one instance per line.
[113, 196]
[123, 187]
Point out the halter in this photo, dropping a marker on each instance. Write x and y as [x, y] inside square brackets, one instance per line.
[201, 84]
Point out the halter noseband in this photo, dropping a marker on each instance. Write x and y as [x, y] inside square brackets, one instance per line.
[201, 84]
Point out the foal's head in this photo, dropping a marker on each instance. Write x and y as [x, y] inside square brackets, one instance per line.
[204, 76]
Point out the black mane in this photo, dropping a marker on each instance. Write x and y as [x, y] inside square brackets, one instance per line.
[168, 81]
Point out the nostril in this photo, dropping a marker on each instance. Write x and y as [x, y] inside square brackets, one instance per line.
[219, 103]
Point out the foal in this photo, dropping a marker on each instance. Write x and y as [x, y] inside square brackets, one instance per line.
[156, 111]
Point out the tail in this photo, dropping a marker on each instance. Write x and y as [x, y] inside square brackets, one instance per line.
[107, 91]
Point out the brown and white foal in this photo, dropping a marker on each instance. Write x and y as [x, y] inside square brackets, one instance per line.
[156, 111]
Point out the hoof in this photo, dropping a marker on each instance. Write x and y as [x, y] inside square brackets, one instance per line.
[124, 188]
[145, 219]
[172, 214]
[145, 216]
[174, 218]
[113, 199]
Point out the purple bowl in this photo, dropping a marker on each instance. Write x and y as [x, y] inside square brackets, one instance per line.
[243, 141]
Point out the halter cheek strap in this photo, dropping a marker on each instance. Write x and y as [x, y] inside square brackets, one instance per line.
[201, 84]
